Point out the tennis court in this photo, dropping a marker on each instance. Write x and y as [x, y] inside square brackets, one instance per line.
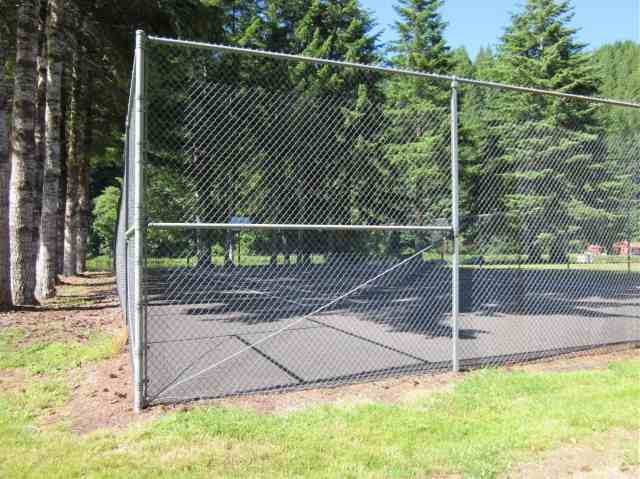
[243, 330]
[278, 234]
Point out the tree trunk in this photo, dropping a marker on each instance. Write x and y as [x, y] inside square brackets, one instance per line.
[73, 153]
[5, 290]
[83, 214]
[39, 127]
[62, 185]
[394, 244]
[275, 247]
[22, 158]
[84, 207]
[62, 188]
[419, 213]
[229, 248]
[203, 248]
[46, 266]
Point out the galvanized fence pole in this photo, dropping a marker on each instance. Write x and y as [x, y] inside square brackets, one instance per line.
[455, 225]
[138, 211]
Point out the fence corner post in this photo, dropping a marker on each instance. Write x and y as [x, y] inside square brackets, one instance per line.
[455, 226]
[138, 211]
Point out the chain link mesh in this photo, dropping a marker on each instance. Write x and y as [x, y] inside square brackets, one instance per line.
[547, 231]
[282, 142]
[550, 213]
[124, 247]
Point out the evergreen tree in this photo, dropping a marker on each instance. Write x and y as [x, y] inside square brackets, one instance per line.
[5, 286]
[484, 63]
[483, 191]
[421, 45]
[463, 66]
[417, 141]
[556, 176]
[319, 125]
[540, 50]
[23, 158]
[618, 66]
[338, 30]
[305, 144]
[46, 264]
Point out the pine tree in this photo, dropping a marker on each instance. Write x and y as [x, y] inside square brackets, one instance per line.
[5, 289]
[39, 127]
[618, 66]
[463, 66]
[421, 45]
[540, 50]
[417, 141]
[23, 158]
[550, 155]
[326, 171]
[483, 190]
[46, 265]
[310, 142]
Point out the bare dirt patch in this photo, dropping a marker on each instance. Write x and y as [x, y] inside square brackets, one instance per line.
[84, 306]
[11, 380]
[607, 455]
[585, 361]
[101, 397]
[101, 392]
[390, 391]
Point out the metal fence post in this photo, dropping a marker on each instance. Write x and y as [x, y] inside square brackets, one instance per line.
[138, 211]
[455, 225]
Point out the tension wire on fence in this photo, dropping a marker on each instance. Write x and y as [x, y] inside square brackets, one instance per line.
[302, 318]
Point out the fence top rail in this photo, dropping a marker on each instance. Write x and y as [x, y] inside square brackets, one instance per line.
[296, 227]
[389, 70]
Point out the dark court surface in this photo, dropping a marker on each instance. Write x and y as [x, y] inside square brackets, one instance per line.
[225, 331]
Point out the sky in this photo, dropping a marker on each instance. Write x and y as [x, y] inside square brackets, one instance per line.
[478, 23]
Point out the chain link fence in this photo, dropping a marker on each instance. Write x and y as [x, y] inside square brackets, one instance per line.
[548, 265]
[305, 222]
[125, 267]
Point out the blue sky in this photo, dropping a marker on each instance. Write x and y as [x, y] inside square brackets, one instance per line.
[477, 23]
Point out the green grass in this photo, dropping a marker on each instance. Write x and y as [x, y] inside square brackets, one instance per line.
[616, 266]
[243, 260]
[105, 263]
[489, 421]
[611, 263]
[51, 357]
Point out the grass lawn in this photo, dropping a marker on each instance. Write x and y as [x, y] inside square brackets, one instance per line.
[489, 422]
[619, 264]
[601, 266]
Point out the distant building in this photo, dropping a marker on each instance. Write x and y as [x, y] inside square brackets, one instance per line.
[623, 248]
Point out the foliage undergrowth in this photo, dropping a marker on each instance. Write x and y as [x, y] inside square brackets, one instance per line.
[99, 263]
